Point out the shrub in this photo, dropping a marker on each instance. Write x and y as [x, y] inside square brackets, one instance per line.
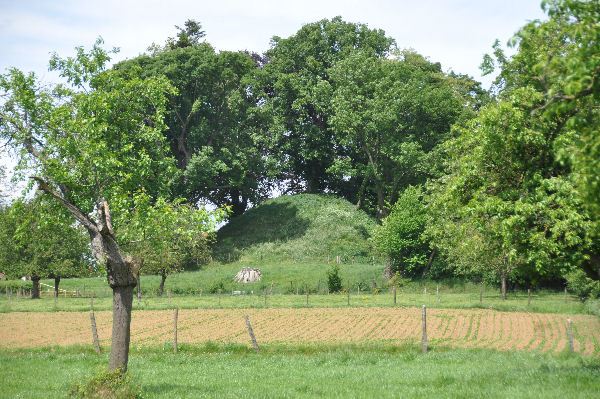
[582, 286]
[334, 281]
[106, 385]
[400, 236]
[217, 288]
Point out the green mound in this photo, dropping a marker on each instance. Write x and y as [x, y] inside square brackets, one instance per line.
[299, 227]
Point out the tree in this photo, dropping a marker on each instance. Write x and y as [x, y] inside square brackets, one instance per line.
[213, 123]
[40, 241]
[165, 237]
[394, 112]
[508, 198]
[400, 236]
[297, 95]
[88, 143]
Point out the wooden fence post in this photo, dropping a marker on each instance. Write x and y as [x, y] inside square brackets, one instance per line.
[565, 294]
[95, 332]
[394, 295]
[251, 333]
[528, 296]
[424, 335]
[570, 335]
[437, 293]
[175, 316]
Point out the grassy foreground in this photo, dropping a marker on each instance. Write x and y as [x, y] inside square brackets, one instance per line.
[233, 371]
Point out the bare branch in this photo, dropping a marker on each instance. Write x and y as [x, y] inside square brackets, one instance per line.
[75, 211]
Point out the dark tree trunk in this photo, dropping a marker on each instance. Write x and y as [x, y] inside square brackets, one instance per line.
[238, 203]
[381, 209]
[429, 263]
[312, 185]
[56, 283]
[161, 287]
[122, 305]
[361, 190]
[35, 290]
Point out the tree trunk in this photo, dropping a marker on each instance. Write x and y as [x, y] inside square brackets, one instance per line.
[381, 209]
[503, 282]
[388, 271]
[56, 283]
[35, 290]
[362, 188]
[122, 304]
[119, 271]
[139, 287]
[238, 203]
[161, 287]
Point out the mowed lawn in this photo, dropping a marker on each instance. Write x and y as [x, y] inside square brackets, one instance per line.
[279, 371]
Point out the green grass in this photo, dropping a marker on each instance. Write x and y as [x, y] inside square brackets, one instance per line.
[279, 371]
[542, 303]
[199, 289]
[302, 226]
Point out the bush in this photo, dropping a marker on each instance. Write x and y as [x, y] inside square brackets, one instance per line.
[334, 281]
[400, 236]
[582, 286]
[106, 385]
[217, 288]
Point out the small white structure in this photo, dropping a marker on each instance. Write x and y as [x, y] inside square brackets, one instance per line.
[248, 275]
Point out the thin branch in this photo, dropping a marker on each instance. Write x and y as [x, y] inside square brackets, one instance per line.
[75, 211]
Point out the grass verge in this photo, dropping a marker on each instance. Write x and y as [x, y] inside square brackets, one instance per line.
[285, 371]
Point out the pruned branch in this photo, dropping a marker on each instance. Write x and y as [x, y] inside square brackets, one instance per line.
[105, 222]
[75, 211]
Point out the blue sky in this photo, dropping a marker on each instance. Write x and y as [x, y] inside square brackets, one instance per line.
[454, 32]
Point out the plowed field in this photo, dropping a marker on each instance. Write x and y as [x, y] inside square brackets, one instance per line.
[450, 327]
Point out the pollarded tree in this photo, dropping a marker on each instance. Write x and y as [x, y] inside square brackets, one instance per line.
[40, 240]
[88, 143]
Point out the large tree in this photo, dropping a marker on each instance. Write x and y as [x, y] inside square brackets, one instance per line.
[522, 175]
[88, 143]
[297, 95]
[393, 112]
[212, 121]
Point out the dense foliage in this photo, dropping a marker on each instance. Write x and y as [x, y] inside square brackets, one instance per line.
[517, 201]
[39, 239]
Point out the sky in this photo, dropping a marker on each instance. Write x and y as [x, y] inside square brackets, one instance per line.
[455, 33]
